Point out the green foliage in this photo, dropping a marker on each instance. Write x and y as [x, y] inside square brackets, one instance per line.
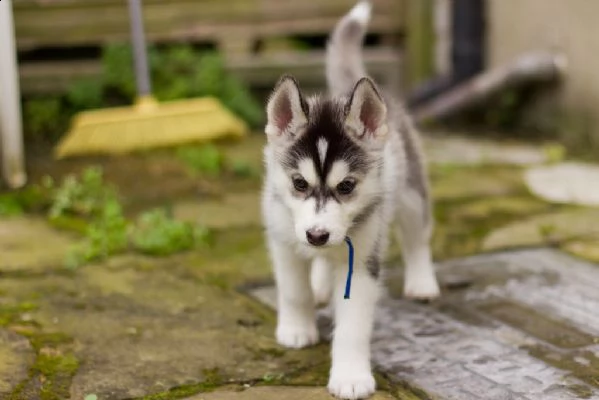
[157, 233]
[181, 72]
[9, 206]
[28, 199]
[205, 159]
[44, 117]
[85, 196]
[106, 235]
[177, 72]
[117, 70]
[85, 94]
[86, 204]
[89, 204]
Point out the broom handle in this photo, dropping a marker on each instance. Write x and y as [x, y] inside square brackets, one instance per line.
[140, 57]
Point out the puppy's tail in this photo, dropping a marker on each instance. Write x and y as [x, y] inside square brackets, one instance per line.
[344, 64]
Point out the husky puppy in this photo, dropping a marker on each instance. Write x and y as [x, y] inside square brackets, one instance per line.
[347, 164]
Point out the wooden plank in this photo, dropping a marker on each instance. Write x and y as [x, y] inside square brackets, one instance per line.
[261, 72]
[70, 22]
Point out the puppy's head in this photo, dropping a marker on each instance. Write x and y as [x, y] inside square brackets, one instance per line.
[326, 158]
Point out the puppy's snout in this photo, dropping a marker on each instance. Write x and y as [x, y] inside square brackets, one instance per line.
[317, 237]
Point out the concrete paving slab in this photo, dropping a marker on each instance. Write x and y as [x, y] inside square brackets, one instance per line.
[277, 393]
[519, 325]
[16, 355]
[30, 244]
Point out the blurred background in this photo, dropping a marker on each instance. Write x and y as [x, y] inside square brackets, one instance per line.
[75, 55]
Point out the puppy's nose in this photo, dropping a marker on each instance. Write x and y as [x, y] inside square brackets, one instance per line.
[317, 237]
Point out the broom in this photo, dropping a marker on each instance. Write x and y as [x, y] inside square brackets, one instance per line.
[147, 124]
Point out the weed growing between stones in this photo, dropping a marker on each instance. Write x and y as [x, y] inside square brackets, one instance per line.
[157, 233]
[88, 205]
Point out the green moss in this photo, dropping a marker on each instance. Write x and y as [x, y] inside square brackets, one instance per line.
[472, 201]
[51, 374]
[70, 223]
[11, 313]
[582, 364]
[41, 340]
[58, 371]
[211, 381]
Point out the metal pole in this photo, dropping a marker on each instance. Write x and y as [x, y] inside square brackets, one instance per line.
[11, 136]
[140, 58]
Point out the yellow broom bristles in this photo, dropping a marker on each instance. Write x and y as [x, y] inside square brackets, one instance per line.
[147, 125]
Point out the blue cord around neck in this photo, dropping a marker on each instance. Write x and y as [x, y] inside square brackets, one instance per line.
[350, 269]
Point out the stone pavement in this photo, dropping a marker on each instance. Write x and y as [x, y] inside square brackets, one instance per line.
[518, 323]
[515, 325]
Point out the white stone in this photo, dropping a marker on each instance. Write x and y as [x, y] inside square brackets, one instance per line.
[573, 183]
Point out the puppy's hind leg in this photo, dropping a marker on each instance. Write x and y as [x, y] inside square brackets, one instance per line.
[414, 231]
[322, 281]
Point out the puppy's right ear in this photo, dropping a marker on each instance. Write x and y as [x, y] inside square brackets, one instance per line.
[287, 111]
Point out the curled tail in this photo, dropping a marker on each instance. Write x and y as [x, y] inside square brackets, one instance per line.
[344, 64]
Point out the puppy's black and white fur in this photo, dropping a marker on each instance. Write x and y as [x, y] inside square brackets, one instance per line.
[342, 165]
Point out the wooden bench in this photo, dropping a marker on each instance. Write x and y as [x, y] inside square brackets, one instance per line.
[240, 29]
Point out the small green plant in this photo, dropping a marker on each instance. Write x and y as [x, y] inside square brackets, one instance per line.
[88, 205]
[83, 196]
[106, 235]
[157, 233]
[206, 159]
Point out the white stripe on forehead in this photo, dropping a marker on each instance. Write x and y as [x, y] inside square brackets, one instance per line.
[322, 146]
[339, 171]
[306, 169]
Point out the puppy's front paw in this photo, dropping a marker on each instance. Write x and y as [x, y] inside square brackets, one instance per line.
[297, 336]
[352, 386]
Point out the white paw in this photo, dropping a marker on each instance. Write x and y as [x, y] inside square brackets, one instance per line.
[422, 286]
[297, 336]
[352, 385]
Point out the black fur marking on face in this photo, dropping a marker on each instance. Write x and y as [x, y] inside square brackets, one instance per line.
[322, 194]
[326, 122]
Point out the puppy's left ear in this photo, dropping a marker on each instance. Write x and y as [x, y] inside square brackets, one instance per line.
[366, 114]
[286, 111]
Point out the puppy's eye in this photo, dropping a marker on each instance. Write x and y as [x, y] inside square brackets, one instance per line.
[346, 186]
[300, 184]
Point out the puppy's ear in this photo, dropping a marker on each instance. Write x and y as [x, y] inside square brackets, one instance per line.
[366, 114]
[286, 110]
